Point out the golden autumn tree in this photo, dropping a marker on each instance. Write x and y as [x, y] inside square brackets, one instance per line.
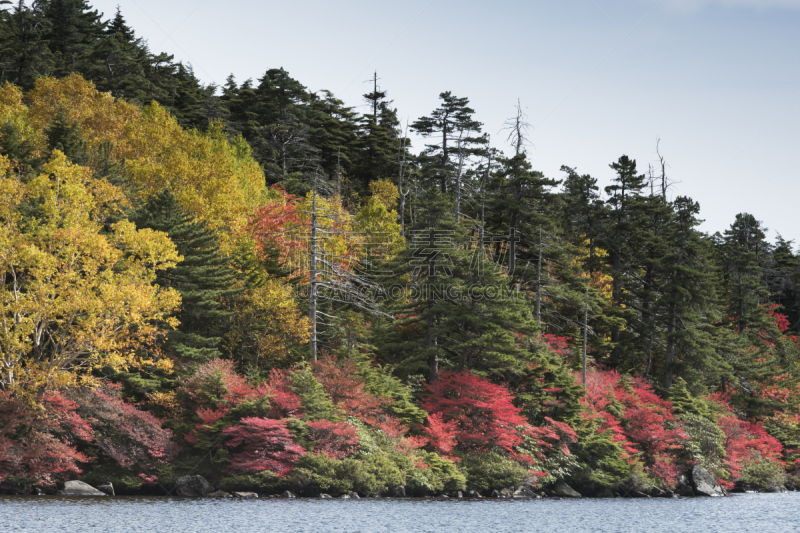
[75, 296]
[214, 178]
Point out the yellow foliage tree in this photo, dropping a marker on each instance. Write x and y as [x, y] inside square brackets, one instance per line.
[267, 321]
[74, 297]
[386, 192]
[214, 178]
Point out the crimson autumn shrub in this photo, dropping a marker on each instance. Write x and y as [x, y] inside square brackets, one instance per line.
[262, 444]
[641, 422]
[131, 437]
[335, 439]
[479, 413]
[37, 443]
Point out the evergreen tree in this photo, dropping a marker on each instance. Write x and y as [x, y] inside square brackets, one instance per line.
[379, 141]
[448, 125]
[622, 240]
[688, 302]
[203, 278]
[24, 51]
[743, 253]
[66, 137]
[458, 313]
[74, 31]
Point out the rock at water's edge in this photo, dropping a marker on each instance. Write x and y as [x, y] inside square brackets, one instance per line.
[398, 492]
[192, 486]
[79, 488]
[704, 483]
[287, 494]
[218, 494]
[245, 495]
[107, 489]
[524, 492]
[565, 491]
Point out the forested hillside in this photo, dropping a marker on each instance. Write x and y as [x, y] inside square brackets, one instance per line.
[259, 284]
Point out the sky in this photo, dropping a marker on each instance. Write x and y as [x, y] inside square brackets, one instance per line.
[717, 81]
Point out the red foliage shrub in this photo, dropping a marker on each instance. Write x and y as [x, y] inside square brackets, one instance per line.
[346, 389]
[285, 403]
[559, 345]
[126, 434]
[745, 442]
[262, 444]
[335, 439]
[34, 445]
[483, 414]
[215, 383]
[645, 424]
[440, 434]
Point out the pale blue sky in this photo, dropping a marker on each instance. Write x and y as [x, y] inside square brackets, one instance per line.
[716, 80]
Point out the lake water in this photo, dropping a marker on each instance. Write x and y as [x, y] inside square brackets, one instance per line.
[760, 513]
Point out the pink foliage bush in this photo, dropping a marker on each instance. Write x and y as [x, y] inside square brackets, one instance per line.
[262, 444]
[335, 439]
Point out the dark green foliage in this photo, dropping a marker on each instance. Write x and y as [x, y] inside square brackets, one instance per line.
[74, 29]
[24, 53]
[203, 278]
[18, 150]
[465, 318]
[66, 137]
[600, 460]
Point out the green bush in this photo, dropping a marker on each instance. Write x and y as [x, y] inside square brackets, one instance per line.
[437, 475]
[706, 442]
[492, 471]
[763, 474]
[315, 474]
[378, 471]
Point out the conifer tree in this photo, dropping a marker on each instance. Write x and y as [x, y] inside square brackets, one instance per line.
[688, 301]
[447, 125]
[622, 239]
[459, 312]
[24, 51]
[74, 30]
[203, 278]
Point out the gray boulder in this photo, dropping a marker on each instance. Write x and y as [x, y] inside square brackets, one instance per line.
[507, 492]
[398, 492]
[287, 494]
[777, 488]
[656, 492]
[565, 491]
[524, 492]
[106, 488]
[245, 495]
[354, 496]
[218, 494]
[192, 486]
[325, 496]
[704, 483]
[79, 488]
[606, 493]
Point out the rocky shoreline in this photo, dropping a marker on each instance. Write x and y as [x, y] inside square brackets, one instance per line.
[698, 482]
